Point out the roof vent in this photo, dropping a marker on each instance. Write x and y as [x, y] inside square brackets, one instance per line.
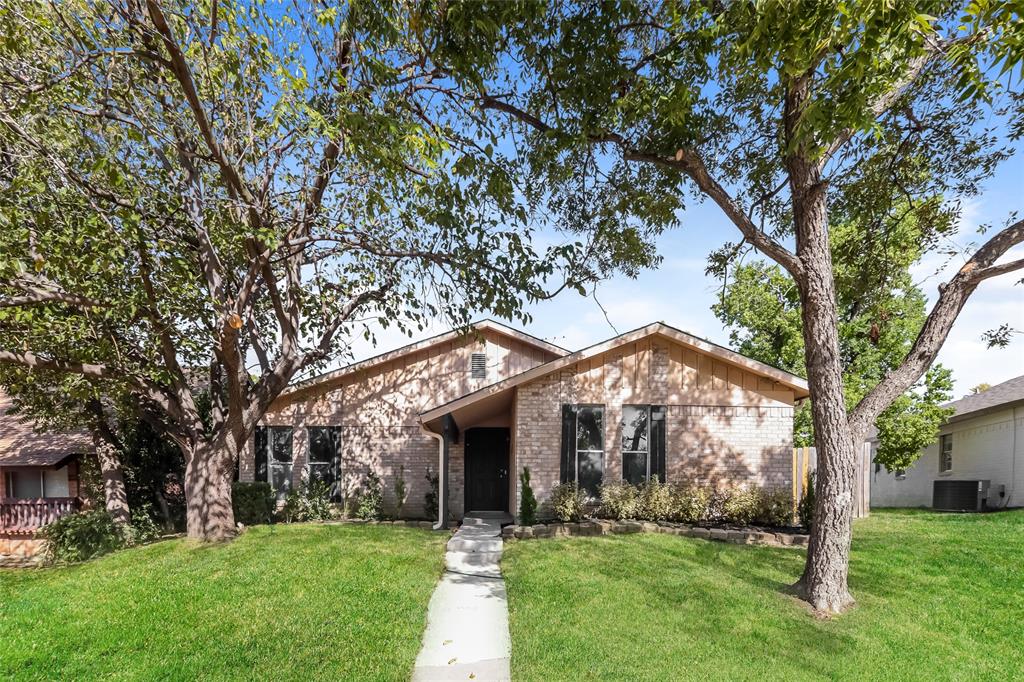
[478, 366]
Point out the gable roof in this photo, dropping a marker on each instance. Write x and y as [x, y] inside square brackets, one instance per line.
[999, 396]
[22, 445]
[478, 326]
[798, 384]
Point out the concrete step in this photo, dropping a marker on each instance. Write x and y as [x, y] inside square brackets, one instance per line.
[469, 544]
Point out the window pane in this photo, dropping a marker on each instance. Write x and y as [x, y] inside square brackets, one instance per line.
[591, 467]
[27, 485]
[321, 445]
[634, 467]
[634, 428]
[319, 471]
[56, 482]
[589, 428]
[281, 448]
[281, 478]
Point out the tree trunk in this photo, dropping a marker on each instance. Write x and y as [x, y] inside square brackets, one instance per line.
[208, 494]
[824, 581]
[114, 493]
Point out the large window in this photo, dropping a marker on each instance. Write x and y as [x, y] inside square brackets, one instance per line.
[31, 484]
[945, 453]
[583, 446]
[643, 443]
[323, 456]
[636, 437]
[274, 457]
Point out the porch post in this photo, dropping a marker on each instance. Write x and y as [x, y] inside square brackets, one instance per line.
[449, 433]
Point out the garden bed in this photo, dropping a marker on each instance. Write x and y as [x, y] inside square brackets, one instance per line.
[789, 537]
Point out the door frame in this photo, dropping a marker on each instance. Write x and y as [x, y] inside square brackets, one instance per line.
[467, 454]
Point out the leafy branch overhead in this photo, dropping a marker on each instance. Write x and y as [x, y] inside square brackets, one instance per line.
[224, 195]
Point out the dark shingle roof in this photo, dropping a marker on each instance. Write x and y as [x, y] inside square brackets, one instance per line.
[999, 395]
[22, 445]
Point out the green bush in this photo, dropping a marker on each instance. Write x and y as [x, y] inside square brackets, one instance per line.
[568, 502]
[253, 503]
[775, 508]
[430, 498]
[309, 503]
[83, 536]
[740, 505]
[805, 510]
[527, 501]
[654, 500]
[618, 501]
[690, 503]
[370, 505]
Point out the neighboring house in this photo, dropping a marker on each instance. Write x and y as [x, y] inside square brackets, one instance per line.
[982, 441]
[477, 408]
[38, 478]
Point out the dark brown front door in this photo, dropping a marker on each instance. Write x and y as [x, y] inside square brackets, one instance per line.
[487, 469]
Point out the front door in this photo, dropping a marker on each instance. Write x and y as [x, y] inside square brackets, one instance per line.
[487, 469]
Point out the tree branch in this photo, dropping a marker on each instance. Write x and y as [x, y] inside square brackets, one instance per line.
[952, 297]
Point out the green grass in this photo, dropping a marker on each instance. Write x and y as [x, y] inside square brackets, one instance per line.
[280, 602]
[940, 596]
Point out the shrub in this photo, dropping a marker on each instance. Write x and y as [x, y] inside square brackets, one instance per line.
[690, 503]
[741, 505]
[527, 501]
[401, 492]
[430, 498]
[83, 536]
[311, 502]
[805, 510]
[654, 500]
[253, 502]
[618, 501]
[775, 508]
[371, 498]
[568, 502]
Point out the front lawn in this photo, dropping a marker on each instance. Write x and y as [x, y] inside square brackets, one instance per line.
[280, 602]
[940, 596]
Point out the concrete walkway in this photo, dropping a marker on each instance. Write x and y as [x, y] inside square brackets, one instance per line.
[467, 621]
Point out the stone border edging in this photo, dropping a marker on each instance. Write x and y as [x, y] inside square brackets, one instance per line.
[744, 536]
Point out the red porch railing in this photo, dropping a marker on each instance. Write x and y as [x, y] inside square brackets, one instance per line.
[27, 516]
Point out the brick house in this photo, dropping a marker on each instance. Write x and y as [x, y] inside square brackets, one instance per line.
[38, 479]
[475, 409]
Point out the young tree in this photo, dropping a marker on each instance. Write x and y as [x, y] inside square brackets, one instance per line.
[780, 114]
[222, 195]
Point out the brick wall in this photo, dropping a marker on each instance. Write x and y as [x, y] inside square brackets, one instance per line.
[713, 444]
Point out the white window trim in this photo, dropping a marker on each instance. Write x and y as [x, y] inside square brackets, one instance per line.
[942, 455]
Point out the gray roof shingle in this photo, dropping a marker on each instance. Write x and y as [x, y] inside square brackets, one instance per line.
[22, 445]
[1001, 394]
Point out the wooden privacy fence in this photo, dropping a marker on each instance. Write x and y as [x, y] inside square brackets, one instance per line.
[805, 460]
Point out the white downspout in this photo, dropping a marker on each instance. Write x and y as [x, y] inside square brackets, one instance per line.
[1013, 470]
[441, 482]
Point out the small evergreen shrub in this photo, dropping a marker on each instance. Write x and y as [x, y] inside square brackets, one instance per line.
[775, 508]
[568, 502]
[805, 510]
[740, 505]
[253, 503]
[430, 498]
[370, 506]
[527, 501]
[654, 500]
[310, 502]
[690, 503]
[83, 536]
[618, 501]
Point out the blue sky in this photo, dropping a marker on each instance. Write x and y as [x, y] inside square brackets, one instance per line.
[680, 294]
